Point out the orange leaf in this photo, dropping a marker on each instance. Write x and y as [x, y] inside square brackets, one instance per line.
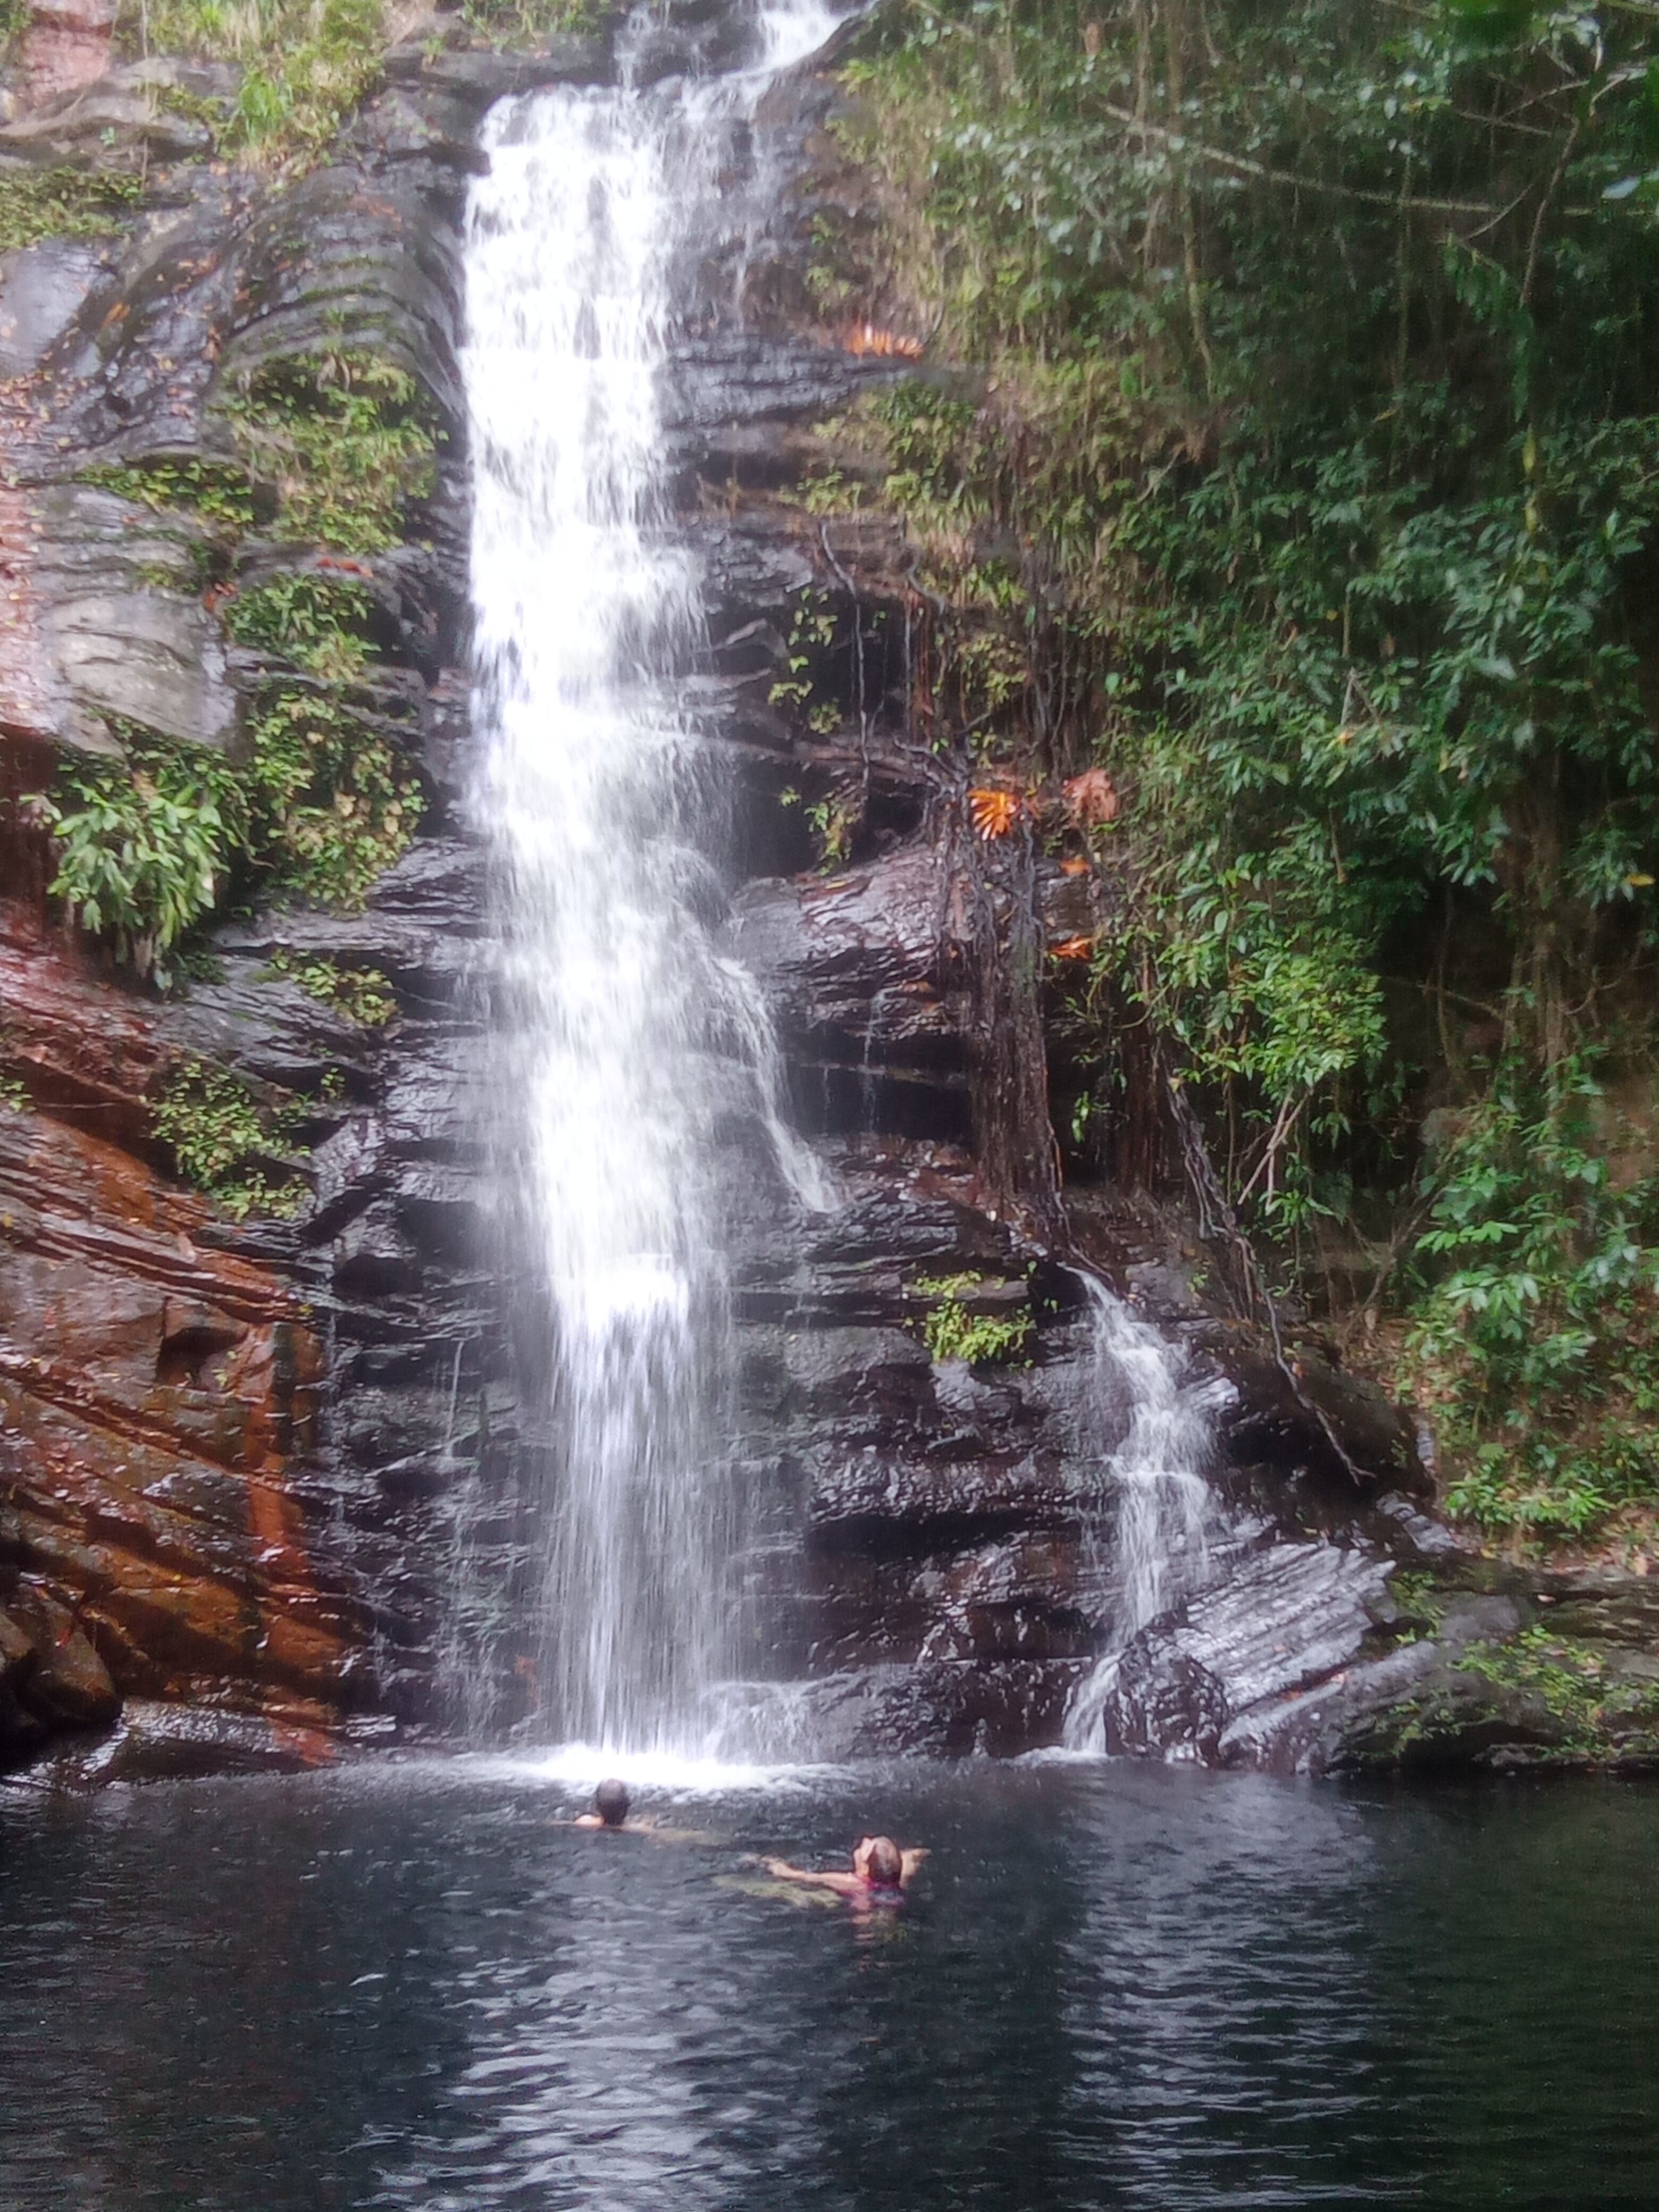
[994, 812]
[1074, 948]
[1093, 797]
[867, 338]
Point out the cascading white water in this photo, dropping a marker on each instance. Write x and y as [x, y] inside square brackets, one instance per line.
[622, 1024]
[1164, 1500]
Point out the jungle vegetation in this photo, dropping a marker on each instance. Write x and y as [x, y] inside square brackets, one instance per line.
[1302, 472]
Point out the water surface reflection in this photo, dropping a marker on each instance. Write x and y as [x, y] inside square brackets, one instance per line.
[412, 1988]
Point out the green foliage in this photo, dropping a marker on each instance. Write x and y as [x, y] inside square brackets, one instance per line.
[307, 64]
[812, 629]
[220, 495]
[833, 821]
[14, 1098]
[344, 441]
[951, 1330]
[333, 805]
[315, 621]
[1539, 1342]
[337, 443]
[526, 22]
[222, 1142]
[62, 202]
[144, 845]
[324, 805]
[363, 994]
[1318, 456]
[1579, 1682]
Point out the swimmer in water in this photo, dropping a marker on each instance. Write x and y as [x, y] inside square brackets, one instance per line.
[610, 1804]
[881, 1873]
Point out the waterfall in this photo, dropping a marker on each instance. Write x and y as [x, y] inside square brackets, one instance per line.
[1160, 1547]
[621, 1025]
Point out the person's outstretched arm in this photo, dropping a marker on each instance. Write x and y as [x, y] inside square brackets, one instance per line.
[783, 1872]
[912, 1860]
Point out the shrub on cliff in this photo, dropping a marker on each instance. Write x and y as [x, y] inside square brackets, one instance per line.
[1314, 477]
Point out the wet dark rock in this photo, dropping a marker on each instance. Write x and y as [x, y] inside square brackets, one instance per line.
[1275, 1624]
[42, 289]
[854, 967]
[1606, 1603]
[161, 1742]
[130, 637]
[1364, 1438]
[941, 1709]
[474, 78]
[52, 1679]
[1303, 1659]
[117, 122]
[749, 566]
[739, 377]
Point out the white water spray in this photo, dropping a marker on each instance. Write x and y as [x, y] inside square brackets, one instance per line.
[624, 1026]
[1164, 1501]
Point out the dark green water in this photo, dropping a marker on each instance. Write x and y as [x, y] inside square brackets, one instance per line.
[1117, 1987]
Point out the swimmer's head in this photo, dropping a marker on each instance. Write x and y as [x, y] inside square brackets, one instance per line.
[879, 1860]
[610, 1802]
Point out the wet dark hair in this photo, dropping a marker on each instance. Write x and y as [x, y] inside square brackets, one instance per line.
[610, 1802]
[886, 1864]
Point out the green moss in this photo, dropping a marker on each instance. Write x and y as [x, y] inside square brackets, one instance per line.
[222, 1141]
[950, 1331]
[1578, 1682]
[363, 995]
[331, 447]
[14, 1098]
[343, 440]
[63, 202]
[220, 494]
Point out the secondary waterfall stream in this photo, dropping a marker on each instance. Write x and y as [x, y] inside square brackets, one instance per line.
[622, 1020]
[1163, 1502]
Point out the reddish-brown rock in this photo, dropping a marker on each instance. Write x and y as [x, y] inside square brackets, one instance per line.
[154, 1389]
[65, 46]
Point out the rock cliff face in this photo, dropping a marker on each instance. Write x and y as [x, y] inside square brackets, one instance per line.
[268, 1486]
[226, 1447]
